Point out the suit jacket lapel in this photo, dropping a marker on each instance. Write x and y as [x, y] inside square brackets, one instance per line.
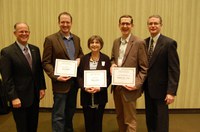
[76, 46]
[33, 54]
[62, 44]
[116, 54]
[147, 43]
[87, 64]
[21, 56]
[99, 66]
[129, 45]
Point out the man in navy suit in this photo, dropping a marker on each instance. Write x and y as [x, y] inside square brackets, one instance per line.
[163, 76]
[23, 78]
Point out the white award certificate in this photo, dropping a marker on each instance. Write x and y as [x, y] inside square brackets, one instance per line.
[123, 76]
[66, 68]
[95, 78]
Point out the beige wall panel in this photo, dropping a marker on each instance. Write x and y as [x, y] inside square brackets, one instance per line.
[181, 21]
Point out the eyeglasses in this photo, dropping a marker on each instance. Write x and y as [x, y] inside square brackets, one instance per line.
[125, 23]
[153, 23]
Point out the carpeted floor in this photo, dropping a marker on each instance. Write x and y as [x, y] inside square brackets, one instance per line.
[178, 123]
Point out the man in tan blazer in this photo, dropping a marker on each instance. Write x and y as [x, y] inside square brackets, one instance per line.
[128, 51]
[62, 45]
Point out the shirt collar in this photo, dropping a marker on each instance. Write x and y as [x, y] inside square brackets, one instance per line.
[125, 40]
[67, 37]
[156, 37]
[21, 46]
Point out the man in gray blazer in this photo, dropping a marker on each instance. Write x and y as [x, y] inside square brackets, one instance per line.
[23, 81]
[62, 45]
[163, 76]
[128, 51]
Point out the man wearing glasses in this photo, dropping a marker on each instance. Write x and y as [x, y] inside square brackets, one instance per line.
[163, 76]
[128, 51]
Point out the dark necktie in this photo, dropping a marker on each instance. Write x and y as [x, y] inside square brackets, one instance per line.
[150, 53]
[28, 56]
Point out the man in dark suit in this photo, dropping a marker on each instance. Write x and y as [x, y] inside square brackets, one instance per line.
[23, 78]
[128, 51]
[163, 76]
[4, 103]
[62, 45]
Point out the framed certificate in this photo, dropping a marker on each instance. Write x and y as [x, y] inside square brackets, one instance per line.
[66, 68]
[123, 76]
[95, 78]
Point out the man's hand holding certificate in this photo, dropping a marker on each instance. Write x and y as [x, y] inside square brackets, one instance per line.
[67, 68]
[124, 76]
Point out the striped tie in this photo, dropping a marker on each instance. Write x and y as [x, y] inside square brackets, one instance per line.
[150, 53]
[28, 57]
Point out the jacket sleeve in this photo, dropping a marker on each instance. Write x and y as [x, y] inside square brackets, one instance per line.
[6, 71]
[142, 65]
[173, 68]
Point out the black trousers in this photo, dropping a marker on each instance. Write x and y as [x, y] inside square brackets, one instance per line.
[26, 119]
[93, 118]
[157, 116]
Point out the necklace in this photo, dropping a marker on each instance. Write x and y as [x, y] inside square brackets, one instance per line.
[94, 59]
